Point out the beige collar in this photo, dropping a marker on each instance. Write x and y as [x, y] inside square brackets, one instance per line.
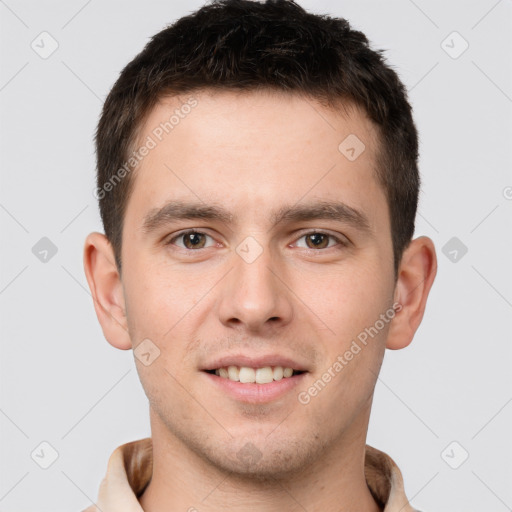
[130, 467]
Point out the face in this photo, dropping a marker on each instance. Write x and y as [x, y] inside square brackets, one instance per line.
[253, 239]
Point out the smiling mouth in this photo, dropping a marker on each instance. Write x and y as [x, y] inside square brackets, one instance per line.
[245, 374]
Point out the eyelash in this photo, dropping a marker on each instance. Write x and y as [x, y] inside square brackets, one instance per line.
[340, 241]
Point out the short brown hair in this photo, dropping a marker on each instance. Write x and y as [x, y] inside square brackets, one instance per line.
[249, 45]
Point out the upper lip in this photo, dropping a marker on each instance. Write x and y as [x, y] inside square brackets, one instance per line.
[255, 362]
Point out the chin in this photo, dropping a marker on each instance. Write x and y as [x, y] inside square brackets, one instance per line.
[263, 459]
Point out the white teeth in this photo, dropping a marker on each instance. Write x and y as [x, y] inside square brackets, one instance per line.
[264, 375]
[278, 373]
[245, 374]
[233, 373]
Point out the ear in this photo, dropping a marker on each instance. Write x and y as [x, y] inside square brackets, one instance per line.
[106, 290]
[416, 274]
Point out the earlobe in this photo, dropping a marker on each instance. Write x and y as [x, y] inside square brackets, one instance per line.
[416, 275]
[106, 290]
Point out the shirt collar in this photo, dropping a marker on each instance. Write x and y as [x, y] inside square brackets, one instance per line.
[130, 467]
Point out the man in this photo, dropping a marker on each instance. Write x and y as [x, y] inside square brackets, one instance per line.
[258, 185]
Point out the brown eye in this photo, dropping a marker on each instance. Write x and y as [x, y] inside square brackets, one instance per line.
[320, 240]
[190, 240]
[317, 240]
[193, 240]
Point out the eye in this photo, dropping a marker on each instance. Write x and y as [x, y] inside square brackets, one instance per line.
[191, 239]
[320, 240]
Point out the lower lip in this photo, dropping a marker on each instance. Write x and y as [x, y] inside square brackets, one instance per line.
[256, 393]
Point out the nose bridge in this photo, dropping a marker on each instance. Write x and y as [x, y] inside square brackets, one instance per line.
[254, 295]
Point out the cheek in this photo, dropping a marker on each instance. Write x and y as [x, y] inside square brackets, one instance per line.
[161, 308]
[351, 305]
[155, 300]
[160, 382]
[349, 300]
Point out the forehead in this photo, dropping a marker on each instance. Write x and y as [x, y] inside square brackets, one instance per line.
[230, 116]
[253, 149]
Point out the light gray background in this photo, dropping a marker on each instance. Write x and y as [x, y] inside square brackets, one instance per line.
[64, 384]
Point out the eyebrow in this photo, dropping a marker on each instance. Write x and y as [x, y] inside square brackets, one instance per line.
[322, 210]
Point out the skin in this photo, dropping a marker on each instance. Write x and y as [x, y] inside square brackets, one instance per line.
[254, 153]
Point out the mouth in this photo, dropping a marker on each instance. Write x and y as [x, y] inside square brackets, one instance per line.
[249, 385]
[248, 375]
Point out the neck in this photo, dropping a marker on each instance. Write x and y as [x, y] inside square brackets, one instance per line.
[184, 480]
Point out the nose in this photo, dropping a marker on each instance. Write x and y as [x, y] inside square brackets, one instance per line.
[255, 294]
